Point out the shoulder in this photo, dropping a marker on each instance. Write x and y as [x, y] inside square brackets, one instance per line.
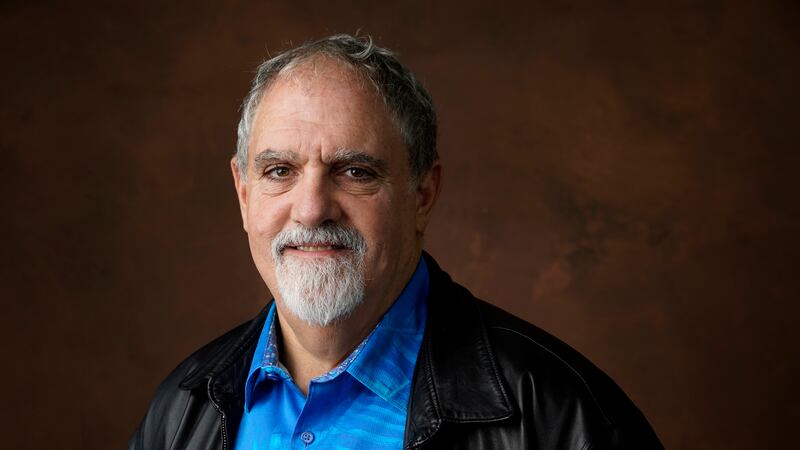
[544, 374]
[184, 392]
[524, 349]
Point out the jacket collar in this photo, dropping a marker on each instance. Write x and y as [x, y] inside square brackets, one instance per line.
[224, 371]
[456, 378]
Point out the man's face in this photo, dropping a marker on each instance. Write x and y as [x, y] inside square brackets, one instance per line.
[324, 153]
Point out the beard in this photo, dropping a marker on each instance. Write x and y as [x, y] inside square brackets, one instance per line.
[321, 290]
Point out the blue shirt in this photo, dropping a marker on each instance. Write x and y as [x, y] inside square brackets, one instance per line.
[361, 403]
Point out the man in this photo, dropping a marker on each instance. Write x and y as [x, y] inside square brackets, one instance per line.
[368, 344]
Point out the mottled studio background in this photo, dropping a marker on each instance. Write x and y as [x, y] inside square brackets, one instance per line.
[622, 174]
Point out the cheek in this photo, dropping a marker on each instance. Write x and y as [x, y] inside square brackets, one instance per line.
[264, 219]
[388, 227]
[262, 230]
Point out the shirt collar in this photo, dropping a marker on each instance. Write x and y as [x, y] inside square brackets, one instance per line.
[386, 363]
[265, 356]
[383, 362]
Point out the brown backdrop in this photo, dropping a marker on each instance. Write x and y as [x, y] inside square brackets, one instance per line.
[620, 175]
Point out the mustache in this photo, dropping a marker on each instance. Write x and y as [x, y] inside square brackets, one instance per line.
[332, 234]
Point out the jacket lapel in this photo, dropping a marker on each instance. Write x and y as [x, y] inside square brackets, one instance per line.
[225, 371]
[456, 377]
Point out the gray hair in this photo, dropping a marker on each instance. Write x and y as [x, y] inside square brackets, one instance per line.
[410, 105]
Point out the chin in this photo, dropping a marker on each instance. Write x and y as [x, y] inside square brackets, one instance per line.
[321, 290]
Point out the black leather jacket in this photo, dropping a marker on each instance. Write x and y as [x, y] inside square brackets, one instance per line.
[484, 380]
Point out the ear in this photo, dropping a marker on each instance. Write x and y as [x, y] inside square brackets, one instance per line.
[241, 191]
[427, 193]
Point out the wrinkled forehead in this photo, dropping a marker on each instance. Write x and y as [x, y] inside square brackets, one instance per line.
[324, 101]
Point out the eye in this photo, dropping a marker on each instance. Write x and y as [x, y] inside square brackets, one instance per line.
[278, 172]
[358, 173]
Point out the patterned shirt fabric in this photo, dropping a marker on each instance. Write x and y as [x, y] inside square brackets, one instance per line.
[359, 404]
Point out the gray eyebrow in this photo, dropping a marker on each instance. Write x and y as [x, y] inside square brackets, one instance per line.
[269, 156]
[346, 156]
[341, 157]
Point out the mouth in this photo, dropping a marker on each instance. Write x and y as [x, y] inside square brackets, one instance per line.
[317, 248]
[326, 241]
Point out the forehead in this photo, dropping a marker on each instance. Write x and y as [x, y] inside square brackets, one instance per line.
[322, 101]
[314, 71]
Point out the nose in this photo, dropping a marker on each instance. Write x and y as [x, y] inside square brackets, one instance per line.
[314, 201]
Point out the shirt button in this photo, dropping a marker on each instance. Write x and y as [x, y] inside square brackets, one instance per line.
[307, 437]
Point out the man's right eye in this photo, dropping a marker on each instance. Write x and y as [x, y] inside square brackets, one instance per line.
[278, 172]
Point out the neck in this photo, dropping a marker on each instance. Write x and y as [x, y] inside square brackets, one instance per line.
[310, 351]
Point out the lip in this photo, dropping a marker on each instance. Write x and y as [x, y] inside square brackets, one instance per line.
[316, 249]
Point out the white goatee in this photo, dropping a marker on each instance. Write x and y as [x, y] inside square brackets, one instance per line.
[320, 290]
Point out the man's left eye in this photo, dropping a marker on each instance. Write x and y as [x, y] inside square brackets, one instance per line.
[357, 172]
